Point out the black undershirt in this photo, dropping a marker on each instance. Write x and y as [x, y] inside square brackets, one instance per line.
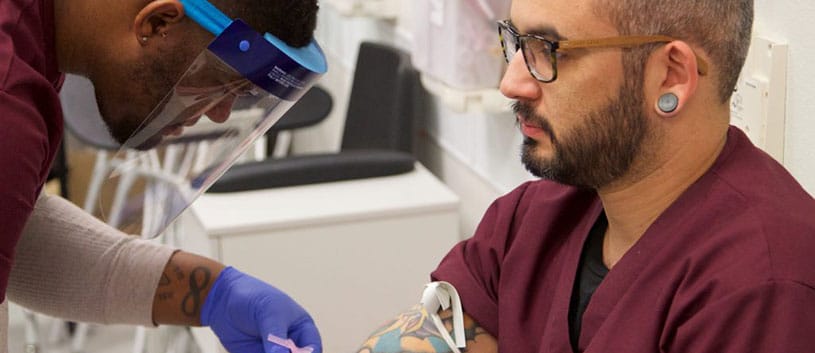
[590, 272]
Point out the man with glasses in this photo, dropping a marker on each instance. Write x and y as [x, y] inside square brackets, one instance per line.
[144, 58]
[656, 227]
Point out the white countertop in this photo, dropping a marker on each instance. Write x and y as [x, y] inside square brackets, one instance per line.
[277, 208]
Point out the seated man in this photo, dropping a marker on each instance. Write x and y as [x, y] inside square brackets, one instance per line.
[657, 227]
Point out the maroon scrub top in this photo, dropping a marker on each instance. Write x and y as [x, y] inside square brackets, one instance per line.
[728, 267]
[30, 116]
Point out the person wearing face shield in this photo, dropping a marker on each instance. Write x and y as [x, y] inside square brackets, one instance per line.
[165, 72]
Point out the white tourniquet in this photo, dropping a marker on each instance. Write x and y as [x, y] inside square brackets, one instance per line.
[442, 296]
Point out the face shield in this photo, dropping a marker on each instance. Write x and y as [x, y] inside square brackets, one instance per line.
[232, 93]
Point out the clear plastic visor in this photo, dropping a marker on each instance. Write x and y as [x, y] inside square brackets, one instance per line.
[206, 123]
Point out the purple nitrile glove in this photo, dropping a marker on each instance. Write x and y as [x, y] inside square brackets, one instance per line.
[243, 311]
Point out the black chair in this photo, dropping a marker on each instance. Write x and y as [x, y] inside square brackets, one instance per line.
[377, 139]
[311, 109]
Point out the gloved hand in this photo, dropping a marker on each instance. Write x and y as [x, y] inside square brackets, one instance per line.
[243, 311]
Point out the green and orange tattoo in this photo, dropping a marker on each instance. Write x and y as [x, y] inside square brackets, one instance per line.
[414, 332]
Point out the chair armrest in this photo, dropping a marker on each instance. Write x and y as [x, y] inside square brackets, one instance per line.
[311, 169]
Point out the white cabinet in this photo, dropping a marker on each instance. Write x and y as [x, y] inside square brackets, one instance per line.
[353, 253]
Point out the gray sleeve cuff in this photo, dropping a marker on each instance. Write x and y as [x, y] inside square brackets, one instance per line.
[73, 266]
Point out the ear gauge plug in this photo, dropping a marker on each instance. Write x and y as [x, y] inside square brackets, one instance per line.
[144, 39]
[668, 103]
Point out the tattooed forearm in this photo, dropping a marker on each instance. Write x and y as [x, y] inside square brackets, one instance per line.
[165, 281]
[475, 335]
[199, 280]
[414, 332]
[179, 273]
[183, 288]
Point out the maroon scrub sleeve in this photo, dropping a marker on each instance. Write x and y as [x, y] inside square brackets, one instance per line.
[474, 265]
[23, 152]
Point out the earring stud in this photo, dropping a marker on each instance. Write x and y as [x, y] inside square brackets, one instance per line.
[668, 103]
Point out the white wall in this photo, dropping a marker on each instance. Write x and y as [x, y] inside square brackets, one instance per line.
[790, 21]
[476, 153]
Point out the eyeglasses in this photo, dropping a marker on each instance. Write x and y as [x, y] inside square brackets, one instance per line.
[541, 54]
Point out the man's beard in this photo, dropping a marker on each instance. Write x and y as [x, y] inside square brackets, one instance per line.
[595, 152]
[155, 80]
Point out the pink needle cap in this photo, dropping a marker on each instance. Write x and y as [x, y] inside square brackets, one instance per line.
[288, 343]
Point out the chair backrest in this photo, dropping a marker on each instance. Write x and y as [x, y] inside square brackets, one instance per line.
[381, 104]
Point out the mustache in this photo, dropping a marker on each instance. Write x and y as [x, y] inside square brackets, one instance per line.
[529, 116]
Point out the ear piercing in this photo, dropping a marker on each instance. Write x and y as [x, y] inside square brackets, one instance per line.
[668, 103]
[144, 38]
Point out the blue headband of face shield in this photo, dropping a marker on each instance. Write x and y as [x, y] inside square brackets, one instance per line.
[267, 61]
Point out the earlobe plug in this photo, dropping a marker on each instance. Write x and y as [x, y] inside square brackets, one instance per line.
[144, 39]
[668, 103]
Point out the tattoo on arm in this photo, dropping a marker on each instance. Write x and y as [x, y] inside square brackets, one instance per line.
[182, 289]
[165, 280]
[414, 332]
[199, 280]
[472, 330]
[179, 273]
[478, 339]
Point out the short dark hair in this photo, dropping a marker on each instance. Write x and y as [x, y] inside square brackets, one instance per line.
[722, 28]
[293, 21]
